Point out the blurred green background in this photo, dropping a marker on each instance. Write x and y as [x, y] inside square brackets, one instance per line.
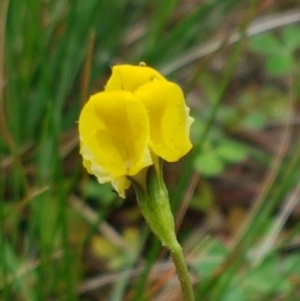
[235, 196]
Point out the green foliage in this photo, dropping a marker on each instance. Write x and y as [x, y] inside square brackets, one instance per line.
[50, 248]
[279, 50]
[214, 158]
[97, 192]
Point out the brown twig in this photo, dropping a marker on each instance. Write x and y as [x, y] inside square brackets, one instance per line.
[112, 235]
[258, 26]
[186, 200]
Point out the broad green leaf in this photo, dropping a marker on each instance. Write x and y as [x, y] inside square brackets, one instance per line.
[103, 193]
[209, 164]
[279, 64]
[255, 120]
[291, 37]
[265, 44]
[271, 271]
[232, 152]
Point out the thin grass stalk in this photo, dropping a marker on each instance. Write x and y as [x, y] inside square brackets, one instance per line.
[263, 206]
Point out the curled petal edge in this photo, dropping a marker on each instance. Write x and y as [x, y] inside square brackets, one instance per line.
[120, 184]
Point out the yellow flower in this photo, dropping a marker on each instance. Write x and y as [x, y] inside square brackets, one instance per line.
[130, 78]
[140, 113]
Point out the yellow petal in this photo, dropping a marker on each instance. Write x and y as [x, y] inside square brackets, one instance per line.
[114, 135]
[169, 119]
[129, 77]
[120, 184]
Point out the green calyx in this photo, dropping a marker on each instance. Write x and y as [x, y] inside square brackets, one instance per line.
[154, 204]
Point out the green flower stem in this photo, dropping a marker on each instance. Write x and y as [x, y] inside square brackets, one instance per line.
[155, 207]
[182, 272]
